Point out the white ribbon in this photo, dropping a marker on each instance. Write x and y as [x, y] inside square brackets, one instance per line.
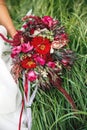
[29, 102]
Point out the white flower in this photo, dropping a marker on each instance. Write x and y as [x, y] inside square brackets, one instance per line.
[44, 73]
[51, 50]
[37, 32]
[58, 65]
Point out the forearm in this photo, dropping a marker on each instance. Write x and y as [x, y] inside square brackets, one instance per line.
[5, 19]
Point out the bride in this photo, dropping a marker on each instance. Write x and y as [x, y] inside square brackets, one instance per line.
[10, 95]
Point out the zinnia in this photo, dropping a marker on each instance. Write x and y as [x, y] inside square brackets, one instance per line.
[28, 63]
[41, 45]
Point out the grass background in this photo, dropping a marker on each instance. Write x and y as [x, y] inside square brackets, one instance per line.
[50, 110]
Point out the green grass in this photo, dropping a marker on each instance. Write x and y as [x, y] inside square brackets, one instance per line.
[50, 110]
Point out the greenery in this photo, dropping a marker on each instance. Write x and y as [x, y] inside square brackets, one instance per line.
[50, 110]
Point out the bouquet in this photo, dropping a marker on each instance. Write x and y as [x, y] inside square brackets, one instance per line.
[40, 56]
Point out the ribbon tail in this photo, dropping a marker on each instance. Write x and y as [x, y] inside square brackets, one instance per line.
[58, 84]
[67, 96]
[24, 100]
[28, 109]
[32, 96]
[20, 118]
[6, 40]
[29, 118]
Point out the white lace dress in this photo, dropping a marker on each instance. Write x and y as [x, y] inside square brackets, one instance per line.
[10, 96]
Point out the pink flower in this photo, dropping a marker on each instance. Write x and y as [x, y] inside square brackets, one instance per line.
[64, 36]
[65, 62]
[60, 41]
[58, 44]
[25, 47]
[32, 76]
[49, 21]
[51, 64]
[39, 60]
[15, 51]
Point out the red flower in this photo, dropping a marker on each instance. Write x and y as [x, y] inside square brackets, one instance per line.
[43, 48]
[42, 45]
[36, 41]
[28, 63]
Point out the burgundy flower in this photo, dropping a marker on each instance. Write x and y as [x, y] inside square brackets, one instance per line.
[17, 38]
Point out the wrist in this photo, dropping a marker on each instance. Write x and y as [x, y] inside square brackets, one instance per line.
[12, 31]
